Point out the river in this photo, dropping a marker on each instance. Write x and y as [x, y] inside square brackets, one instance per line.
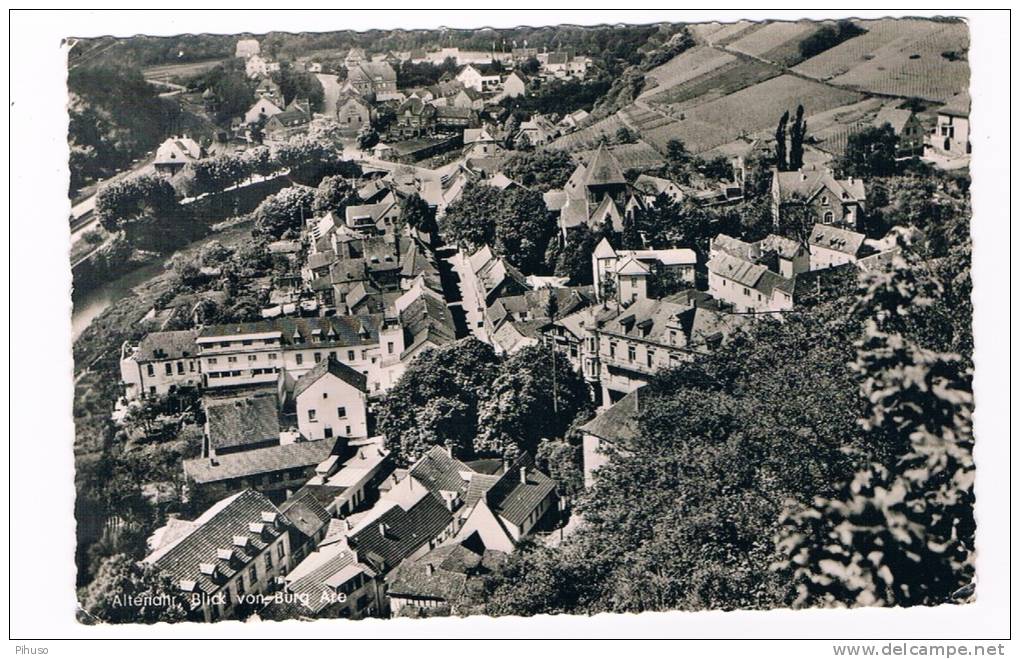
[91, 303]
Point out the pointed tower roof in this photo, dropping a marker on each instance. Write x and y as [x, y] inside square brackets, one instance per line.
[604, 169]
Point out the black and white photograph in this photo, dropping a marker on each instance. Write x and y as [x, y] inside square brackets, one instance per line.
[412, 321]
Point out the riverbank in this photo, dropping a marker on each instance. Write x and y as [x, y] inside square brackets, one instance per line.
[105, 317]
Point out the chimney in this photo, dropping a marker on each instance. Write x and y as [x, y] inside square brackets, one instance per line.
[524, 475]
[430, 569]
[383, 528]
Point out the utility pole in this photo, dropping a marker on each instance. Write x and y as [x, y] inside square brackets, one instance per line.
[556, 409]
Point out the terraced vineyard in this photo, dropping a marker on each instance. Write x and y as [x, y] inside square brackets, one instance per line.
[917, 68]
[686, 66]
[591, 135]
[733, 31]
[725, 79]
[899, 57]
[774, 36]
[639, 155]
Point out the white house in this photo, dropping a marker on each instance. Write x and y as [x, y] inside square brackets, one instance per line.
[632, 270]
[331, 401]
[831, 246]
[261, 111]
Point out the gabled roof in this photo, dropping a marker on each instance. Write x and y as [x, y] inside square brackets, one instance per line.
[388, 539]
[244, 515]
[737, 269]
[306, 512]
[618, 422]
[438, 471]
[840, 240]
[803, 185]
[957, 106]
[177, 150]
[332, 366]
[519, 491]
[238, 422]
[631, 266]
[895, 117]
[258, 461]
[167, 345]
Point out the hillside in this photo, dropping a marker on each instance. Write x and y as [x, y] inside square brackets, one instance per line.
[739, 78]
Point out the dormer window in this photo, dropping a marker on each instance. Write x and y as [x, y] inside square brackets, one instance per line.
[241, 541]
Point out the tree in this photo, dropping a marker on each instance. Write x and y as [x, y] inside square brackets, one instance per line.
[781, 162]
[536, 395]
[418, 215]
[125, 592]
[678, 160]
[631, 237]
[523, 143]
[514, 222]
[297, 84]
[870, 152]
[542, 170]
[797, 133]
[435, 402]
[333, 195]
[901, 532]
[367, 138]
[284, 212]
[573, 260]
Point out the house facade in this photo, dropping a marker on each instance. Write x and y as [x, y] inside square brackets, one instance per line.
[331, 400]
[159, 363]
[828, 200]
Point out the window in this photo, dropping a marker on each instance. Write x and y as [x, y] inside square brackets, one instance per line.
[246, 342]
[180, 368]
[279, 551]
[272, 356]
[347, 430]
[825, 200]
[224, 344]
[269, 560]
[232, 360]
[240, 585]
[299, 359]
[212, 360]
[327, 432]
[612, 349]
[151, 370]
[828, 217]
[364, 354]
[169, 368]
[650, 357]
[746, 291]
[252, 358]
[318, 357]
[311, 415]
[253, 574]
[350, 355]
[341, 412]
[631, 353]
[191, 366]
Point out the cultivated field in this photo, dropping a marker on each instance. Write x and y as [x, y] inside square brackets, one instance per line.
[591, 135]
[898, 57]
[916, 69]
[684, 67]
[179, 71]
[733, 31]
[639, 155]
[720, 81]
[772, 37]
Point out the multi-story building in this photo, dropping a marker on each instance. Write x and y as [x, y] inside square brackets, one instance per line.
[256, 353]
[826, 199]
[160, 362]
[633, 271]
[756, 277]
[331, 400]
[234, 552]
[638, 340]
[831, 246]
[907, 127]
[952, 128]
